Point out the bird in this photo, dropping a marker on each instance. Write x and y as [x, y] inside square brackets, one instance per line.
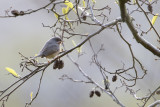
[51, 48]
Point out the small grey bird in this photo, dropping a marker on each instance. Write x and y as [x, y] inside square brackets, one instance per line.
[51, 48]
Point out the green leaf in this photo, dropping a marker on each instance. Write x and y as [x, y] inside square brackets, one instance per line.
[94, 1]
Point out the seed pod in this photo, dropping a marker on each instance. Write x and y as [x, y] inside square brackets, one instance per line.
[91, 94]
[15, 12]
[84, 17]
[114, 78]
[55, 65]
[98, 93]
[150, 8]
[60, 64]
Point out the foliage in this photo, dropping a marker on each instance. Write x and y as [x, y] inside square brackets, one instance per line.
[87, 14]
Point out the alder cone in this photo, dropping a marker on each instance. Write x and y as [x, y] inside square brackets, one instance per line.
[91, 94]
[114, 78]
[98, 93]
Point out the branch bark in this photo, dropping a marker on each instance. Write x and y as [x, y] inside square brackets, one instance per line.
[139, 39]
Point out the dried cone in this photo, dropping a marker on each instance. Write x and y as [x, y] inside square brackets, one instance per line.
[55, 66]
[60, 64]
[98, 93]
[114, 78]
[150, 8]
[84, 17]
[91, 94]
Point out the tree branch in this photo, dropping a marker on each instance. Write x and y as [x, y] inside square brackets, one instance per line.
[139, 39]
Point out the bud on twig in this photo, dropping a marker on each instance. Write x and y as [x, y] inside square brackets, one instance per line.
[15, 12]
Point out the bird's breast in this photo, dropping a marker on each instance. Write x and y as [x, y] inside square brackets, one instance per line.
[52, 55]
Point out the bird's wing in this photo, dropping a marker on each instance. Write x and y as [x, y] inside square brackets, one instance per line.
[48, 49]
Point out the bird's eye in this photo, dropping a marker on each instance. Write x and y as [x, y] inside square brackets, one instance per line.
[58, 39]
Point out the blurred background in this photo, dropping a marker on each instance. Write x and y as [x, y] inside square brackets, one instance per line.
[27, 35]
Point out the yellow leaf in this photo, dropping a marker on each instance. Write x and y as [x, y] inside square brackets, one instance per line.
[83, 3]
[74, 43]
[93, 1]
[106, 80]
[117, 2]
[69, 5]
[56, 15]
[12, 72]
[31, 96]
[67, 18]
[154, 19]
[67, 9]
[64, 10]
[35, 54]
[150, 0]
[36, 58]
[134, 1]
[79, 49]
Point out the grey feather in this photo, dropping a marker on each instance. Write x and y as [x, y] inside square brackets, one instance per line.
[51, 48]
